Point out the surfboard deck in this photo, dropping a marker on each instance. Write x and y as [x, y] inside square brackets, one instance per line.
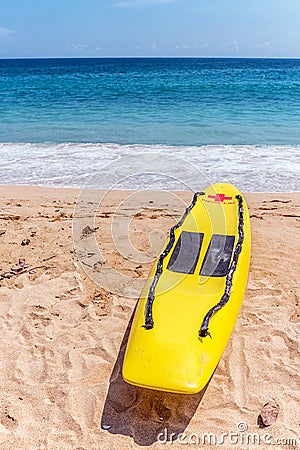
[170, 352]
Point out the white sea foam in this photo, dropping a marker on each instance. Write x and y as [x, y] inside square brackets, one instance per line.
[260, 168]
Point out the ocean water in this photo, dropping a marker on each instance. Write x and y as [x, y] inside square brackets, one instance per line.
[62, 120]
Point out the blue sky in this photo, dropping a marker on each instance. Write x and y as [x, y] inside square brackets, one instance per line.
[49, 28]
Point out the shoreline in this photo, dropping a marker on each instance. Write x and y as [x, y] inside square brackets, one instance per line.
[73, 165]
[62, 332]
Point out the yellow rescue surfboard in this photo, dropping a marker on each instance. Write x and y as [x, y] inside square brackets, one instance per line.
[191, 300]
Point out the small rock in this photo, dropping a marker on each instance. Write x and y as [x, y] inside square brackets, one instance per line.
[25, 242]
[19, 267]
[88, 230]
[268, 415]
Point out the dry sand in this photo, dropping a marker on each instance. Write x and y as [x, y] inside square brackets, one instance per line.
[62, 335]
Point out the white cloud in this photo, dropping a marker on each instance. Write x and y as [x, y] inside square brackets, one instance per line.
[137, 47]
[79, 46]
[200, 46]
[264, 45]
[234, 45]
[194, 46]
[183, 47]
[133, 3]
[4, 32]
[99, 48]
[153, 46]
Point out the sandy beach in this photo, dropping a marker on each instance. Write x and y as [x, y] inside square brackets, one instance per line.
[63, 334]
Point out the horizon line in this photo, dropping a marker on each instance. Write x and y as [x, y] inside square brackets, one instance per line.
[147, 57]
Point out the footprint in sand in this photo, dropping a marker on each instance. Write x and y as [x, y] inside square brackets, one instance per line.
[7, 419]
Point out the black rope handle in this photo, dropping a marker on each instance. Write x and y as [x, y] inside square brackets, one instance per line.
[149, 323]
[203, 332]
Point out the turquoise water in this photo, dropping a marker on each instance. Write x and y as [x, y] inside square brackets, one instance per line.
[203, 109]
[151, 101]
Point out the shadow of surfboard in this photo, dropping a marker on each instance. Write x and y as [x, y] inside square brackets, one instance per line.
[145, 413]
